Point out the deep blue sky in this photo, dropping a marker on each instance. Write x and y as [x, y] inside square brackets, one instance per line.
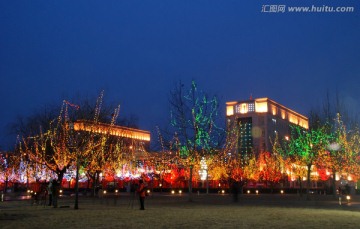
[137, 50]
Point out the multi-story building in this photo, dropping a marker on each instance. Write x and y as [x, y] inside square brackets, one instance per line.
[260, 120]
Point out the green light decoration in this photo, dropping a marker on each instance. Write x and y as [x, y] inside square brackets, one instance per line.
[193, 117]
[184, 152]
[305, 146]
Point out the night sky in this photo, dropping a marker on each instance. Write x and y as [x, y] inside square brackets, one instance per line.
[136, 51]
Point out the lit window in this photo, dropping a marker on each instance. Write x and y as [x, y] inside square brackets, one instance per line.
[243, 108]
[283, 114]
[273, 110]
[261, 107]
[229, 110]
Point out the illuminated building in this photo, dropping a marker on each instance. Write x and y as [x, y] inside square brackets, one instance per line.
[134, 138]
[259, 121]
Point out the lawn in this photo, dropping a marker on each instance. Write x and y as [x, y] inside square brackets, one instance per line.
[167, 211]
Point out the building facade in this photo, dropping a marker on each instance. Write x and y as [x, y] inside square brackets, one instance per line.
[136, 139]
[260, 120]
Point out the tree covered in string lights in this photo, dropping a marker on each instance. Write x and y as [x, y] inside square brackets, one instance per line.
[338, 151]
[80, 147]
[96, 147]
[354, 142]
[9, 165]
[305, 146]
[343, 151]
[270, 168]
[222, 165]
[51, 147]
[250, 168]
[193, 117]
[165, 161]
[273, 165]
[59, 147]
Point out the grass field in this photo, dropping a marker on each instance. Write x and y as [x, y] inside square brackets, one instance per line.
[167, 211]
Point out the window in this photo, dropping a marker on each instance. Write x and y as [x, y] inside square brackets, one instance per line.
[244, 108]
[251, 107]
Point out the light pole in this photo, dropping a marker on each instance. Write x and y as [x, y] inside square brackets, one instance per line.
[333, 148]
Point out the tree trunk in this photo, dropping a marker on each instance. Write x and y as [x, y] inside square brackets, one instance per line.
[308, 182]
[300, 183]
[333, 181]
[91, 178]
[94, 185]
[6, 183]
[190, 183]
[61, 176]
[77, 186]
[27, 179]
[161, 184]
[207, 182]
[88, 184]
[57, 186]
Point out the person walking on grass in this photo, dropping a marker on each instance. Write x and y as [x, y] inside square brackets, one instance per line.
[235, 190]
[141, 190]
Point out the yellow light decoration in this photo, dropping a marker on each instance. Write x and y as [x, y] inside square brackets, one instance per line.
[348, 198]
[337, 177]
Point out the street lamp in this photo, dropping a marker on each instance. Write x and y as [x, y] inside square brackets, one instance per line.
[333, 147]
